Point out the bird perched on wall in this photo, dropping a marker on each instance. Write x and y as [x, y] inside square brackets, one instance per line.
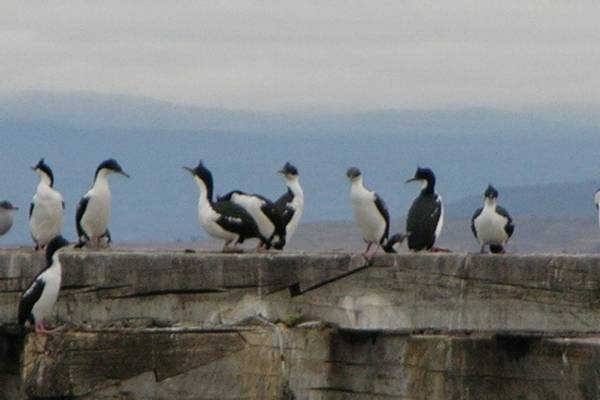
[222, 219]
[264, 213]
[46, 213]
[93, 212]
[38, 300]
[371, 215]
[291, 204]
[7, 211]
[426, 214]
[492, 225]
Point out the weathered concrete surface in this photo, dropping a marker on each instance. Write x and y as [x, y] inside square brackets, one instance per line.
[325, 364]
[554, 294]
[209, 345]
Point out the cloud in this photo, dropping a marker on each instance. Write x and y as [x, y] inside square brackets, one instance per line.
[274, 54]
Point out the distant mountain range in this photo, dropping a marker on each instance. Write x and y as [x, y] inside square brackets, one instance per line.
[529, 157]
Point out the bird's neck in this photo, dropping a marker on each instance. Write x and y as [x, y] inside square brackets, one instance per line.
[101, 181]
[206, 191]
[45, 180]
[489, 204]
[428, 187]
[54, 263]
[294, 185]
[357, 185]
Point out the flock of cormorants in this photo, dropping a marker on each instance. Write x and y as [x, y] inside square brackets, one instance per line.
[235, 217]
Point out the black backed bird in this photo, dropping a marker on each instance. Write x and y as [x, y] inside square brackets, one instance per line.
[38, 300]
[222, 219]
[93, 212]
[426, 214]
[290, 205]
[47, 210]
[371, 215]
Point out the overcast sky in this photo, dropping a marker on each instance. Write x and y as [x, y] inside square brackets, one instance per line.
[288, 54]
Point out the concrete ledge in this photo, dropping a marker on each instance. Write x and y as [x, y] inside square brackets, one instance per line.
[555, 294]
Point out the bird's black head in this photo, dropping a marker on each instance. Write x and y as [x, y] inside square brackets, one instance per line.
[353, 173]
[111, 165]
[491, 192]
[289, 170]
[7, 205]
[53, 246]
[202, 173]
[42, 168]
[426, 176]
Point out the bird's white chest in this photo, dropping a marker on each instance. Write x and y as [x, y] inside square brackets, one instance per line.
[97, 214]
[47, 218]
[207, 217]
[52, 278]
[489, 226]
[297, 205]
[368, 218]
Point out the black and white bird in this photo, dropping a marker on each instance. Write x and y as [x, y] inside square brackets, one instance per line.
[264, 212]
[38, 300]
[47, 210]
[222, 219]
[291, 204]
[7, 217]
[492, 225]
[371, 215]
[93, 212]
[426, 214]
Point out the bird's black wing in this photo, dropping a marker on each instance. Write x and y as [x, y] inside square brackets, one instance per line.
[234, 218]
[476, 214]
[382, 208]
[83, 203]
[509, 228]
[63, 204]
[283, 208]
[31, 206]
[29, 298]
[271, 211]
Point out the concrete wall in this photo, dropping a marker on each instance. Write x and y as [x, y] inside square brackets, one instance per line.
[163, 325]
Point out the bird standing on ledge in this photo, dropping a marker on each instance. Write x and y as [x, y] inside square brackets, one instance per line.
[222, 219]
[93, 212]
[492, 224]
[291, 204]
[47, 210]
[426, 215]
[371, 215]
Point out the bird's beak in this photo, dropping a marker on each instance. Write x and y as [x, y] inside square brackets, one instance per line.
[188, 169]
[124, 174]
[33, 168]
[281, 172]
[411, 180]
[16, 208]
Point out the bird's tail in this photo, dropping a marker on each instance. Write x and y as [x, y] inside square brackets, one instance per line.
[398, 238]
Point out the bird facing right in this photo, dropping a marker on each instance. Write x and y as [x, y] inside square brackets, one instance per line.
[93, 212]
[492, 225]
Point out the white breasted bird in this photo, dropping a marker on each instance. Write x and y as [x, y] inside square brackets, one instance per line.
[371, 215]
[38, 300]
[492, 225]
[47, 210]
[291, 204]
[264, 212]
[222, 219]
[7, 211]
[425, 217]
[93, 212]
